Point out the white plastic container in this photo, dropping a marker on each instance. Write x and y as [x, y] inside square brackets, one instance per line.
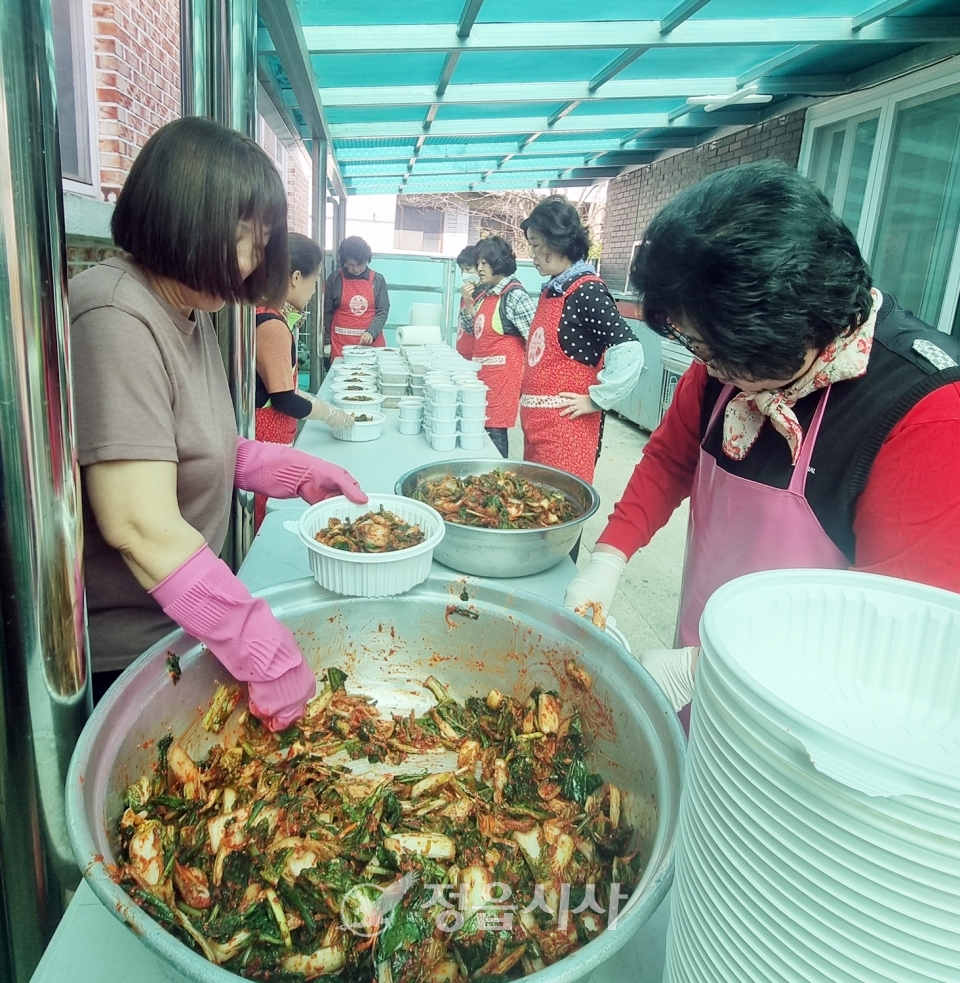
[408, 412]
[478, 412]
[369, 574]
[472, 426]
[471, 441]
[819, 832]
[443, 442]
[362, 431]
[443, 411]
[389, 389]
[338, 388]
[445, 394]
[368, 402]
[444, 426]
[473, 395]
[409, 427]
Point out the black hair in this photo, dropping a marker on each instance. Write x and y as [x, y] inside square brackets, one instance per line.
[499, 254]
[558, 223]
[754, 260]
[467, 257]
[355, 248]
[305, 254]
[177, 213]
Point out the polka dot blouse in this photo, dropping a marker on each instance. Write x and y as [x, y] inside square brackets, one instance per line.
[590, 323]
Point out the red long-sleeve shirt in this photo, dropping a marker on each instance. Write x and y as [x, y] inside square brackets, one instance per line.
[907, 519]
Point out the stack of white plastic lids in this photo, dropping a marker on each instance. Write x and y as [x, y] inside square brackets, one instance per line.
[819, 834]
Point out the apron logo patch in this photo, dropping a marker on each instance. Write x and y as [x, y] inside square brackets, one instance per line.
[478, 325]
[936, 356]
[536, 346]
[358, 304]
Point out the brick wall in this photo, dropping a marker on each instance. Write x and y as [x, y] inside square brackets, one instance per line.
[298, 195]
[137, 65]
[634, 198]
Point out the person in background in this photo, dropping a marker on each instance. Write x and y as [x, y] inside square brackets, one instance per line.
[582, 357]
[818, 426]
[202, 220]
[356, 303]
[501, 323]
[280, 405]
[470, 293]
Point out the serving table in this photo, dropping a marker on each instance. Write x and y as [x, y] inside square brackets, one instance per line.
[90, 945]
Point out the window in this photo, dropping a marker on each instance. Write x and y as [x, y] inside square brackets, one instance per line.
[888, 159]
[419, 229]
[841, 164]
[920, 207]
[72, 50]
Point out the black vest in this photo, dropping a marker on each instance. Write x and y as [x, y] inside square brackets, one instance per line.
[262, 396]
[909, 360]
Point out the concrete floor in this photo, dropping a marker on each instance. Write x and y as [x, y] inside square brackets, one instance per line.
[646, 604]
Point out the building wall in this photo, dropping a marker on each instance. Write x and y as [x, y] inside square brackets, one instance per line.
[137, 80]
[634, 198]
[298, 195]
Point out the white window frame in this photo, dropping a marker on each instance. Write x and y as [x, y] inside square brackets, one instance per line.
[886, 98]
[85, 45]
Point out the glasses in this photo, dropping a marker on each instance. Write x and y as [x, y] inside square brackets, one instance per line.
[696, 348]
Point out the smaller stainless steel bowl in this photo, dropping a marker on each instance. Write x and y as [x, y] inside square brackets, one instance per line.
[506, 552]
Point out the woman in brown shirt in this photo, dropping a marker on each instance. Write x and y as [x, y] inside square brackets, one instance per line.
[202, 221]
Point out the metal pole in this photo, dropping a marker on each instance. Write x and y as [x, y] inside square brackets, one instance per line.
[318, 230]
[44, 696]
[194, 58]
[218, 68]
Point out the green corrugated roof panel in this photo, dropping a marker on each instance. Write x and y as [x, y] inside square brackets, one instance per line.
[455, 95]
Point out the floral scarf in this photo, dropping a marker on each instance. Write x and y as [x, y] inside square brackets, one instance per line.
[845, 358]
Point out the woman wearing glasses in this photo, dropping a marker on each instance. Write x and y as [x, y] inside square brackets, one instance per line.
[819, 426]
[582, 358]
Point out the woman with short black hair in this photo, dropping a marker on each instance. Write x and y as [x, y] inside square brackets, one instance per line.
[819, 424]
[500, 323]
[280, 404]
[356, 302]
[582, 358]
[203, 220]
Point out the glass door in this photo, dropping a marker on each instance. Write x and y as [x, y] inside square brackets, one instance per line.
[920, 207]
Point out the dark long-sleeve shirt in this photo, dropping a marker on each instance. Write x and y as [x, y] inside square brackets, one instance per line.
[333, 295]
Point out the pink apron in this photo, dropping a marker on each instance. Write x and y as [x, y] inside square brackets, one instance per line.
[739, 526]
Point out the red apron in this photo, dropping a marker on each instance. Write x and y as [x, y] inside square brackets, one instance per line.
[354, 315]
[549, 438]
[501, 356]
[464, 338]
[273, 427]
[739, 526]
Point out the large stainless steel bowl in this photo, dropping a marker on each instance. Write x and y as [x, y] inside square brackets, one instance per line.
[506, 552]
[388, 646]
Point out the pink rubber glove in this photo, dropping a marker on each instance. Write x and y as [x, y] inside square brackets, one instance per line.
[280, 471]
[204, 598]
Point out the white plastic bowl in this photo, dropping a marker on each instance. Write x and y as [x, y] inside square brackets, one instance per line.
[370, 574]
[471, 441]
[409, 427]
[471, 426]
[363, 431]
[365, 402]
[473, 395]
[442, 411]
[443, 442]
[473, 412]
[819, 827]
[444, 426]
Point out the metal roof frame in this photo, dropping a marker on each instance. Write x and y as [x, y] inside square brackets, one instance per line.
[448, 135]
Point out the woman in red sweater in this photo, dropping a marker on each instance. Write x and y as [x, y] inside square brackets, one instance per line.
[819, 425]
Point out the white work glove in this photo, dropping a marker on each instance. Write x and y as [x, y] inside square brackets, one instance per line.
[596, 583]
[673, 670]
[335, 419]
